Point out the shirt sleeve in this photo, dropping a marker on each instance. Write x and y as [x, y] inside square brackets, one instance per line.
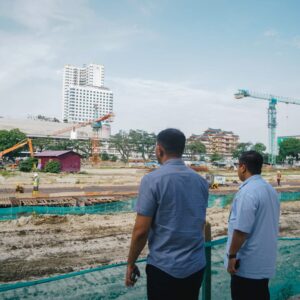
[246, 212]
[146, 204]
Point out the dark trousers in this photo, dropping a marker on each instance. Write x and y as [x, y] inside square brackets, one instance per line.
[249, 289]
[162, 286]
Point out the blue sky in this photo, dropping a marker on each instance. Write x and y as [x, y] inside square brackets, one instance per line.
[169, 63]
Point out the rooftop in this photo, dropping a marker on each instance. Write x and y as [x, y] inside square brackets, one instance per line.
[38, 128]
[53, 153]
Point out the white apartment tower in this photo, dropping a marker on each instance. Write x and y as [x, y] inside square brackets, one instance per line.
[84, 94]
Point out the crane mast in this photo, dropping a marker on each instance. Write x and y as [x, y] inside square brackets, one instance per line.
[272, 115]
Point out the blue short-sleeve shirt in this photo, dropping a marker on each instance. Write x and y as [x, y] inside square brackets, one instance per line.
[176, 198]
[255, 211]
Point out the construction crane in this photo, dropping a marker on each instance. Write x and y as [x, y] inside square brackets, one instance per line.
[73, 128]
[272, 121]
[96, 125]
[17, 146]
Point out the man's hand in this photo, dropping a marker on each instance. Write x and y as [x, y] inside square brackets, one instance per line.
[138, 242]
[129, 272]
[231, 266]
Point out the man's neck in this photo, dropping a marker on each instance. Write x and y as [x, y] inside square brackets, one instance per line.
[247, 176]
[168, 157]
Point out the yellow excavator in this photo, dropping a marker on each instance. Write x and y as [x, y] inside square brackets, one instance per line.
[19, 187]
[17, 146]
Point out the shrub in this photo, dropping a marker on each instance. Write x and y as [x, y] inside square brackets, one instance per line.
[113, 158]
[52, 166]
[104, 156]
[27, 164]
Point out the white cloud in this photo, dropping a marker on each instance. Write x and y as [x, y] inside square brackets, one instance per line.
[154, 105]
[270, 33]
[296, 42]
[42, 15]
[146, 7]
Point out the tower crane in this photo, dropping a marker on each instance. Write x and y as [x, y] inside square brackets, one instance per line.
[73, 128]
[272, 120]
[96, 125]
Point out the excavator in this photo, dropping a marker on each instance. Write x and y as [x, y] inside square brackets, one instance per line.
[19, 188]
[17, 146]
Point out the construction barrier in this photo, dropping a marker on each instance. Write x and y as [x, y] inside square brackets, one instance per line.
[11, 213]
[107, 282]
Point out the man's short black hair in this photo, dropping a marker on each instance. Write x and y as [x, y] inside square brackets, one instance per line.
[172, 140]
[252, 160]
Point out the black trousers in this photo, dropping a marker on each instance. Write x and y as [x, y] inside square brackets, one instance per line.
[162, 286]
[249, 289]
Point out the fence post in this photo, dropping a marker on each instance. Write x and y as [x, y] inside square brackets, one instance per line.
[206, 289]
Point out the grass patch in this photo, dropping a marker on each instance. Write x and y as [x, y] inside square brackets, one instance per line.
[6, 173]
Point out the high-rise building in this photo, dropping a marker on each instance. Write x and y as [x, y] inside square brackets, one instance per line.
[84, 94]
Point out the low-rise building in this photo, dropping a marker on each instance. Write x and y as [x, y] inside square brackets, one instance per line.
[217, 141]
[69, 160]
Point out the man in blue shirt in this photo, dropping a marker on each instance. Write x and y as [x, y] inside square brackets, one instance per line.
[171, 210]
[252, 232]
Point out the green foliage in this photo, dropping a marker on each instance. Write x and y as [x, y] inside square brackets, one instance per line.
[216, 157]
[104, 156]
[138, 141]
[9, 138]
[113, 158]
[289, 149]
[195, 148]
[6, 173]
[28, 164]
[82, 147]
[259, 147]
[241, 147]
[121, 143]
[143, 142]
[52, 166]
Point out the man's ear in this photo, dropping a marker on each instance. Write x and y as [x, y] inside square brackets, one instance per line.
[160, 150]
[244, 169]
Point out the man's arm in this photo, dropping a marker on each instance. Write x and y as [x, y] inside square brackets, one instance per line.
[138, 242]
[238, 239]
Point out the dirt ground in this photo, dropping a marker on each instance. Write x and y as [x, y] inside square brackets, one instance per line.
[43, 245]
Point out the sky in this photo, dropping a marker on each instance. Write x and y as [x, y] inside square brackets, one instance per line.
[169, 63]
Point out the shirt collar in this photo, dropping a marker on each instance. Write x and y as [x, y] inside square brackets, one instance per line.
[253, 177]
[174, 161]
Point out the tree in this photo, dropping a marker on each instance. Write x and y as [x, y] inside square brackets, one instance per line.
[27, 165]
[41, 144]
[104, 156]
[82, 147]
[241, 147]
[142, 142]
[259, 147]
[113, 158]
[52, 166]
[196, 148]
[121, 143]
[9, 138]
[289, 148]
[216, 157]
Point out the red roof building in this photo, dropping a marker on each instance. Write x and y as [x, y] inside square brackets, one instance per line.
[69, 160]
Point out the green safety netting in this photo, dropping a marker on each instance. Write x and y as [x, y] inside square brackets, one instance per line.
[107, 282]
[113, 207]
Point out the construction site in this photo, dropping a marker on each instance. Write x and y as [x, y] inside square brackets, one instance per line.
[82, 217]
